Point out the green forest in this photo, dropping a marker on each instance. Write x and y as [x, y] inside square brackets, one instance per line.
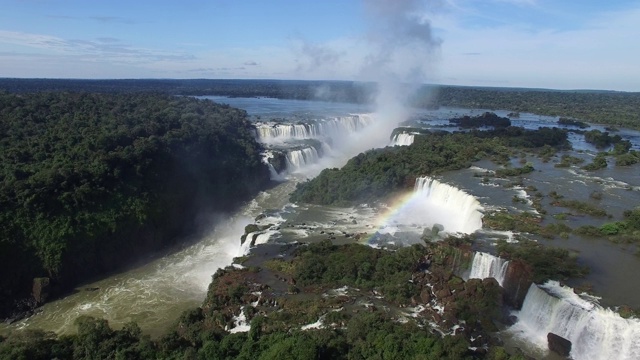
[89, 182]
[594, 106]
[602, 107]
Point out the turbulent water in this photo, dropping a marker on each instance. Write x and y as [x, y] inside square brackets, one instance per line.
[310, 146]
[595, 333]
[316, 135]
[298, 159]
[156, 293]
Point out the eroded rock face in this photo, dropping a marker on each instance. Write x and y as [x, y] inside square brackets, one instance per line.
[425, 296]
[41, 289]
[279, 162]
[516, 283]
[559, 345]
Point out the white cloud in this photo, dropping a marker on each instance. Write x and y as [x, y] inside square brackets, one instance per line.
[100, 50]
[44, 42]
[600, 54]
[519, 2]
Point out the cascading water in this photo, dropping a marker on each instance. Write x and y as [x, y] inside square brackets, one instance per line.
[488, 266]
[448, 206]
[304, 144]
[331, 128]
[297, 159]
[403, 139]
[285, 131]
[595, 333]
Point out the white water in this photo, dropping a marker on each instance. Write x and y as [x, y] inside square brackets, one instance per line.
[448, 206]
[488, 266]
[403, 139]
[154, 294]
[595, 333]
[149, 294]
[337, 127]
[297, 159]
[339, 139]
[240, 322]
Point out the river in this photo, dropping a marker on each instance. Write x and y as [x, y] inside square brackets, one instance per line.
[316, 135]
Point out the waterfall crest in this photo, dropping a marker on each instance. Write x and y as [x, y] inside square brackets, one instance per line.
[595, 333]
[297, 159]
[449, 206]
[293, 147]
[331, 128]
[488, 266]
[402, 139]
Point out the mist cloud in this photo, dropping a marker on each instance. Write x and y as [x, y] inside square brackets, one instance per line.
[312, 57]
[101, 49]
[402, 52]
[401, 39]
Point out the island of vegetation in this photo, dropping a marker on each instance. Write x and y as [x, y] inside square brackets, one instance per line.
[377, 173]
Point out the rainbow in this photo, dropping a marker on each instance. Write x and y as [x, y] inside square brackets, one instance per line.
[431, 202]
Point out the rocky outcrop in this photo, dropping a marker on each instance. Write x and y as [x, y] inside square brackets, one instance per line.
[255, 230]
[456, 259]
[278, 161]
[559, 345]
[516, 283]
[450, 301]
[41, 289]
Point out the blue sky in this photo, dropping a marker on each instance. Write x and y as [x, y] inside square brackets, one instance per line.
[557, 44]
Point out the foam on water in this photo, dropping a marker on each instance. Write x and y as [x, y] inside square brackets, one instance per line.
[146, 294]
[595, 332]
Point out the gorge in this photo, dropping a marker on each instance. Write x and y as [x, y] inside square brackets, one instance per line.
[455, 199]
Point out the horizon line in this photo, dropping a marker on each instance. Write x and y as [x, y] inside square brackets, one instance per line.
[321, 80]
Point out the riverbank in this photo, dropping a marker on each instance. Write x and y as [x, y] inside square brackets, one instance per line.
[92, 183]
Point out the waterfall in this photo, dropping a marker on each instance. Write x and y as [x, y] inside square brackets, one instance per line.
[287, 131]
[332, 127]
[253, 239]
[449, 206]
[595, 333]
[488, 266]
[402, 139]
[301, 157]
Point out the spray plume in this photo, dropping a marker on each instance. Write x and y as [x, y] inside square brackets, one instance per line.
[402, 51]
[398, 57]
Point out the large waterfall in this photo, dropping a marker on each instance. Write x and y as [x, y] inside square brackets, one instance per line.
[595, 333]
[488, 266]
[448, 206]
[296, 159]
[332, 127]
[402, 139]
[299, 145]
